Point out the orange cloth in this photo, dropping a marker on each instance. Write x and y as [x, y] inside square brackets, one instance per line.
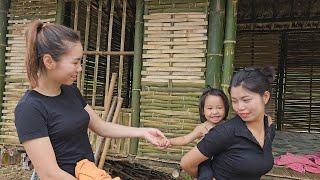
[87, 170]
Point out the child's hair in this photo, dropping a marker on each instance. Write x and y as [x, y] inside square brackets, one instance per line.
[41, 39]
[254, 79]
[213, 92]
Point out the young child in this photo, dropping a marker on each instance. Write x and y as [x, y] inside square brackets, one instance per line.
[213, 108]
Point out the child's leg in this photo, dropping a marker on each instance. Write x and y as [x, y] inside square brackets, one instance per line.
[205, 171]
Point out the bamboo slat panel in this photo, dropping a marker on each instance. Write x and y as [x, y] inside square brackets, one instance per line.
[172, 76]
[20, 13]
[302, 89]
[259, 50]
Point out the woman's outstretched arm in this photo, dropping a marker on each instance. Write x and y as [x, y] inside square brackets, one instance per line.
[106, 129]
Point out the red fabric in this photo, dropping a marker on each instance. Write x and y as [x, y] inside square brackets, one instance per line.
[300, 163]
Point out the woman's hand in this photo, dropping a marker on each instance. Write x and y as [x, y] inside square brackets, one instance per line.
[155, 137]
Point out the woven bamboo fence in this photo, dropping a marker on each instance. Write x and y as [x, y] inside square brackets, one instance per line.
[20, 13]
[172, 75]
[302, 89]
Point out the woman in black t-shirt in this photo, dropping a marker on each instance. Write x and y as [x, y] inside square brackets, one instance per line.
[52, 119]
[241, 147]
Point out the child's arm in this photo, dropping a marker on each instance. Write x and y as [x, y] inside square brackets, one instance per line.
[198, 132]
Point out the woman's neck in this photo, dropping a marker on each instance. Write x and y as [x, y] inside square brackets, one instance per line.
[48, 87]
[256, 125]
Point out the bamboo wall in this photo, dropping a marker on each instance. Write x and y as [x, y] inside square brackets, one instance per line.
[302, 84]
[115, 46]
[20, 13]
[259, 50]
[174, 48]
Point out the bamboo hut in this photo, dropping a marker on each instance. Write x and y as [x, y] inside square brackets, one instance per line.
[164, 53]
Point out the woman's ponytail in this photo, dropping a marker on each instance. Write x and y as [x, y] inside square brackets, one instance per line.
[31, 57]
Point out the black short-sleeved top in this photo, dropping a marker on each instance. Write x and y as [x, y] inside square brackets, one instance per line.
[62, 118]
[236, 153]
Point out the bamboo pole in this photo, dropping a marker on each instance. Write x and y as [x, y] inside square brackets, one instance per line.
[96, 63]
[60, 12]
[229, 43]
[107, 143]
[108, 96]
[123, 37]
[101, 139]
[136, 82]
[105, 116]
[109, 53]
[86, 39]
[4, 7]
[75, 28]
[215, 43]
[109, 44]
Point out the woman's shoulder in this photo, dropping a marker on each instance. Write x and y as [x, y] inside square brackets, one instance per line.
[228, 126]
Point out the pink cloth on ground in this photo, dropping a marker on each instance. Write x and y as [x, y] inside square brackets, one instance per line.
[300, 163]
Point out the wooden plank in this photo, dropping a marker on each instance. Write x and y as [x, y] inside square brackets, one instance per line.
[176, 43]
[190, 55]
[155, 55]
[175, 28]
[171, 51]
[145, 46]
[172, 20]
[173, 77]
[170, 69]
[181, 60]
[160, 35]
[204, 38]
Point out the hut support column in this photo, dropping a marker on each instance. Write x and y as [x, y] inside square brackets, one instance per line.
[215, 43]
[229, 43]
[4, 7]
[137, 62]
[60, 12]
[281, 76]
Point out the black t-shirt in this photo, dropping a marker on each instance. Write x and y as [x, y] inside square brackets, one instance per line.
[62, 118]
[236, 153]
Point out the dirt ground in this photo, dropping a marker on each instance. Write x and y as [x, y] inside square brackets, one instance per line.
[14, 172]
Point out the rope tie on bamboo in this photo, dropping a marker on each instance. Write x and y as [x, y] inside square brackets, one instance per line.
[214, 54]
[229, 41]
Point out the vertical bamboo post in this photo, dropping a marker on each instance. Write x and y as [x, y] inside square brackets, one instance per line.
[123, 37]
[60, 12]
[4, 7]
[281, 79]
[96, 63]
[109, 44]
[229, 43]
[215, 43]
[136, 82]
[107, 143]
[75, 28]
[86, 39]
